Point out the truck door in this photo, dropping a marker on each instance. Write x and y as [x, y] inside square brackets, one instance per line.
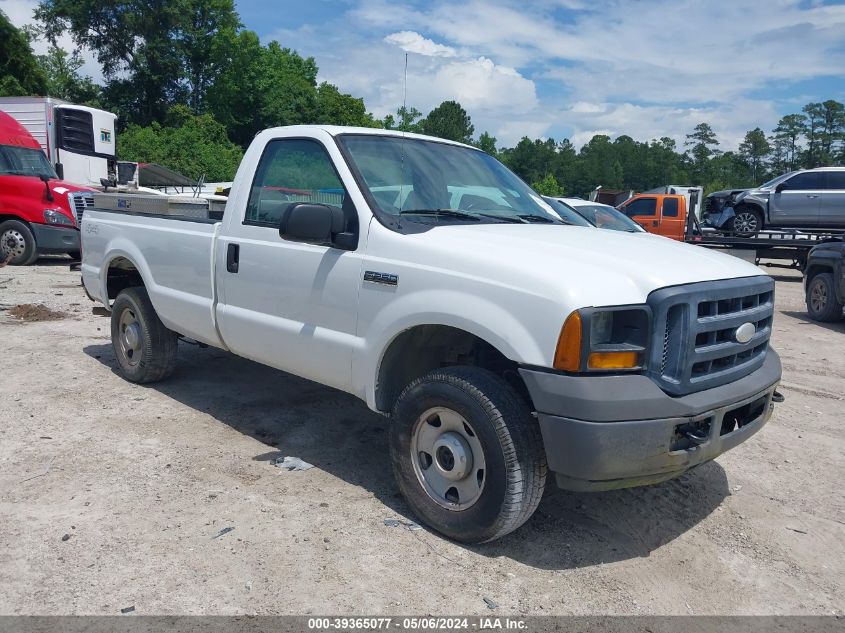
[643, 211]
[832, 211]
[672, 217]
[797, 201]
[290, 305]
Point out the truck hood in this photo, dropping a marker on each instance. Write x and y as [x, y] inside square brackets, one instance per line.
[543, 260]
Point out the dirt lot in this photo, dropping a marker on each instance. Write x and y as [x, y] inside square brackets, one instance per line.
[111, 495]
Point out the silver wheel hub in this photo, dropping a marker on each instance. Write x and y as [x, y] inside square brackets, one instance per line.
[745, 222]
[12, 244]
[448, 458]
[130, 338]
[452, 456]
[818, 297]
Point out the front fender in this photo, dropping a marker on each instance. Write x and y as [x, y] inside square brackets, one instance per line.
[481, 317]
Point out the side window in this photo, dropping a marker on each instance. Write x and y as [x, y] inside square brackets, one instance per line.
[835, 180]
[808, 181]
[641, 206]
[670, 207]
[291, 170]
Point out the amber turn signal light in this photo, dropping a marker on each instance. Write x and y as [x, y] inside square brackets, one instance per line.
[568, 352]
[613, 360]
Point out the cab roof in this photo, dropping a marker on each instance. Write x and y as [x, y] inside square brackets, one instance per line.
[13, 133]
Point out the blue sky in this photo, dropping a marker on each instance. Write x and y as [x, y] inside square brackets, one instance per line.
[569, 68]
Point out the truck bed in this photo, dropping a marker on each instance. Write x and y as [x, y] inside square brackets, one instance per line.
[178, 253]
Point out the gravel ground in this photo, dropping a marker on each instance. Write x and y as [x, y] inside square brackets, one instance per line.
[113, 495]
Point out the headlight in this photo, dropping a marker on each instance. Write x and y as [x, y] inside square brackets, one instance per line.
[604, 339]
[51, 216]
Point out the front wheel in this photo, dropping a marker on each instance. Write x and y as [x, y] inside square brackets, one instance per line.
[145, 349]
[821, 299]
[747, 222]
[466, 453]
[17, 243]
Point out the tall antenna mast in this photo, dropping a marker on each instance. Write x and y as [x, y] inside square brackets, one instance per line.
[405, 98]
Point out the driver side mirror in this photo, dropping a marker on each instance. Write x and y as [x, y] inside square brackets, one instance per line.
[320, 224]
[780, 187]
[60, 171]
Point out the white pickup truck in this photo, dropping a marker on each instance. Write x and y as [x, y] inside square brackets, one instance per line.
[425, 278]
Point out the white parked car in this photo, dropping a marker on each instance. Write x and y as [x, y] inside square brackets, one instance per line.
[602, 215]
[426, 279]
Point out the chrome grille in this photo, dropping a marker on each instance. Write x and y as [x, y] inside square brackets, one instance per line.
[695, 327]
[80, 202]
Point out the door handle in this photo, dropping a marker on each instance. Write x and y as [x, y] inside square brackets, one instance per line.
[811, 195]
[233, 256]
[654, 222]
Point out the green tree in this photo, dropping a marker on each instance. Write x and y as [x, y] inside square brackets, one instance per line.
[20, 73]
[193, 145]
[406, 119]
[487, 143]
[754, 149]
[64, 80]
[337, 108]
[702, 144]
[548, 186]
[785, 141]
[450, 121]
[264, 86]
[814, 113]
[154, 54]
[833, 126]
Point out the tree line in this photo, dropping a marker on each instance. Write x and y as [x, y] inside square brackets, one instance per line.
[191, 88]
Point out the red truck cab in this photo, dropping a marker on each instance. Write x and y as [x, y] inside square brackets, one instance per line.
[39, 213]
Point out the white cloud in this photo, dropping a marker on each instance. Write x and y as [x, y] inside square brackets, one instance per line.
[412, 42]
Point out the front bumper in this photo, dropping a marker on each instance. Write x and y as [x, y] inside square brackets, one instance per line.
[607, 432]
[55, 239]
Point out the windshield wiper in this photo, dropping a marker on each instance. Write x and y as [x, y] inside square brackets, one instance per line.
[530, 217]
[444, 213]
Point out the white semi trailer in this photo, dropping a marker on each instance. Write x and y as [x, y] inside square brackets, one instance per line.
[79, 141]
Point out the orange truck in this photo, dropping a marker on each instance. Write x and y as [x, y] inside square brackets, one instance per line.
[661, 214]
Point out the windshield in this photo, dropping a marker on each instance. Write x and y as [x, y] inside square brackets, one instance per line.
[433, 182]
[606, 217]
[24, 161]
[567, 213]
[771, 183]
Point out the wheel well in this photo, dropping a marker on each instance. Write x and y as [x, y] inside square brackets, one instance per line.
[423, 348]
[752, 207]
[814, 270]
[9, 216]
[121, 274]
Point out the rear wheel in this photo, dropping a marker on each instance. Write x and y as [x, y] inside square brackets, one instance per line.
[747, 221]
[467, 455]
[821, 299]
[17, 243]
[145, 349]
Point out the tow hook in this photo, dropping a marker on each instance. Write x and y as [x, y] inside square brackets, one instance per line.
[694, 438]
[777, 397]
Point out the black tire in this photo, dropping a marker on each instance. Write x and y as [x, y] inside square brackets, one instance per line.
[148, 352]
[514, 459]
[747, 221]
[17, 239]
[821, 299]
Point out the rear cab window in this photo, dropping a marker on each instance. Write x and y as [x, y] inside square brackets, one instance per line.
[670, 207]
